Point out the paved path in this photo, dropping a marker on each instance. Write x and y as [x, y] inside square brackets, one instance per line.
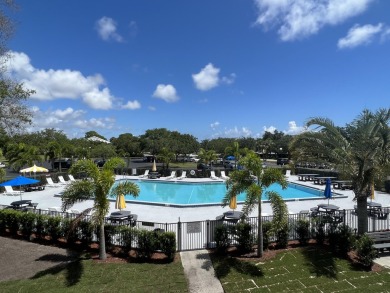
[200, 272]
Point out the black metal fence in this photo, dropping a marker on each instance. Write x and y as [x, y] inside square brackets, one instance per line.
[200, 234]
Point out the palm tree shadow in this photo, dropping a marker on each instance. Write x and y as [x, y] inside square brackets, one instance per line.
[70, 263]
[223, 265]
[320, 262]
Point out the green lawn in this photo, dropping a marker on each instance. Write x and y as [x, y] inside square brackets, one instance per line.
[310, 269]
[90, 276]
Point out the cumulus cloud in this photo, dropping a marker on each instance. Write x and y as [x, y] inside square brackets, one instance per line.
[63, 83]
[360, 35]
[207, 78]
[214, 125]
[270, 129]
[294, 129]
[166, 92]
[297, 19]
[106, 28]
[132, 105]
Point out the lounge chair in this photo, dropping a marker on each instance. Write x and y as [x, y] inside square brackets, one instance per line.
[62, 180]
[173, 175]
[288, 174]
[133, 172]
[183, 175]
[145, 174]
[10, 191]
[223, 175]
[71, 178]
[50, 183]
[212, 176]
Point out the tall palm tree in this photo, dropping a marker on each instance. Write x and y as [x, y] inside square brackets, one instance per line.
[207, 156]
[253, 180]
[360, 151]
[96, 188]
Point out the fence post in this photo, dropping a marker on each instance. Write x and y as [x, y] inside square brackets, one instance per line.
[179, 235]
[207, 233]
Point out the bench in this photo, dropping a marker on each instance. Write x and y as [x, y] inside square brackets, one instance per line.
[381, 240]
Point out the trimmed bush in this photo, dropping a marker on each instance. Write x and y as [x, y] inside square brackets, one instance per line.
[40, 226]
[53, 228]
[86, 231]
[365, 252]
[128, 236]
[243, 236]
[221, 235]
[282, 237]
[167, 243]
[266, 231]
[302, 227]
[27, 224]
[146, 244]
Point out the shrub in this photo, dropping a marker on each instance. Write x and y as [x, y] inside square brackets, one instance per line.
[3, 225]
[167, 243]
[266, 231]
[86, 229]
[12, 220]
[282, 237]
[302, 228]
[128, 236]
[319, 231]
[221, 235]
[27, 223]
[365, 252]
[40, 226]
[346, 239]
[243, 236]
[54, 228]
[146, 244]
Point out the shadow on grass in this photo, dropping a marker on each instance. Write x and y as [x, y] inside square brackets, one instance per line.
[70, 263]
[320, 261]
[223, 266]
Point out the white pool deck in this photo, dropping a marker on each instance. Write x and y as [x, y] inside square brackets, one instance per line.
[166, 214]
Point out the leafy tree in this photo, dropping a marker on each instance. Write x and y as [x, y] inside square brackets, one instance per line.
[97, 188]
[253, 180]
[103, 150]
[20, 154]
[360, 151]
[165, 156]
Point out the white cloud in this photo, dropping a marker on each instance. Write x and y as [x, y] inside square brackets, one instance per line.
[54, 84]
[296, 19]
[238, 132]
[166, 93]
[132, 105]
[106, 28]
[207, 78]
[151, 108]
[214, 125]
[294, 129]
[360, 35]
[270, 129]
[229, 79]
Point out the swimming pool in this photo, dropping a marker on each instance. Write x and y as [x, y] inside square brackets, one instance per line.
[174, 193]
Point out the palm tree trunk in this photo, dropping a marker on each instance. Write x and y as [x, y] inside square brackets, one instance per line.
[102, 243]
[362, 214]
[259, 231]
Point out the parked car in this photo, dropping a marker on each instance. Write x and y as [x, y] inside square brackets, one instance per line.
[282, 161]
[203, 166]
[100, 163]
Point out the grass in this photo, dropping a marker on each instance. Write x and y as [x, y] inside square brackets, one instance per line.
[309, 269]
[92, 276]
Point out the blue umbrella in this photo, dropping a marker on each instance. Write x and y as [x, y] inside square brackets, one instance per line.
[328, 191]
[19, 181]
[230, 158]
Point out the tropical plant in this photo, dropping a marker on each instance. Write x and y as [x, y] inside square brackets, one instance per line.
[166, 156]
[360, 151]
[96, 188]
[279, 223]
[22, 154]
[253, 180]
[207, 156]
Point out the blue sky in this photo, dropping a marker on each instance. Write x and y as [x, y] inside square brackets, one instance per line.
[221, 68]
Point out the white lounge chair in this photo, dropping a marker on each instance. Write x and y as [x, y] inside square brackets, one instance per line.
[133, 172]
[71, 178]
[223, 175]
[145, 174]
[62, 180]
[173, 175]
[50, 183]
[212, 176]
[183, 175]
[10, 191]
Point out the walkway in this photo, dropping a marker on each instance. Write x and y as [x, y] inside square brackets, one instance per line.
[200, 272]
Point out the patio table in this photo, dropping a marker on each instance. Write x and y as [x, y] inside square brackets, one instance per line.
[123, 217]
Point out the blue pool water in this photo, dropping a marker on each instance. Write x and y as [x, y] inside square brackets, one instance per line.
[185, 193]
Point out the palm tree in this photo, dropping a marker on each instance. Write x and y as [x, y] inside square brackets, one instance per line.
[96, 188]
[207, 156]
[253, 180]
[166, 156]
[360, 151]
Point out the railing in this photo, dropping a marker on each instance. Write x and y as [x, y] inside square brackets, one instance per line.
[200, 234]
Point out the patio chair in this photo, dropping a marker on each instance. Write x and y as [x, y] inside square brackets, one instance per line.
[288, 174]
[10, 191]
[173, 175]
[145, 174]
[62, 180]
[223, 175]
[50, 183]
[183, 175]
[133, 172]
[212, 175]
